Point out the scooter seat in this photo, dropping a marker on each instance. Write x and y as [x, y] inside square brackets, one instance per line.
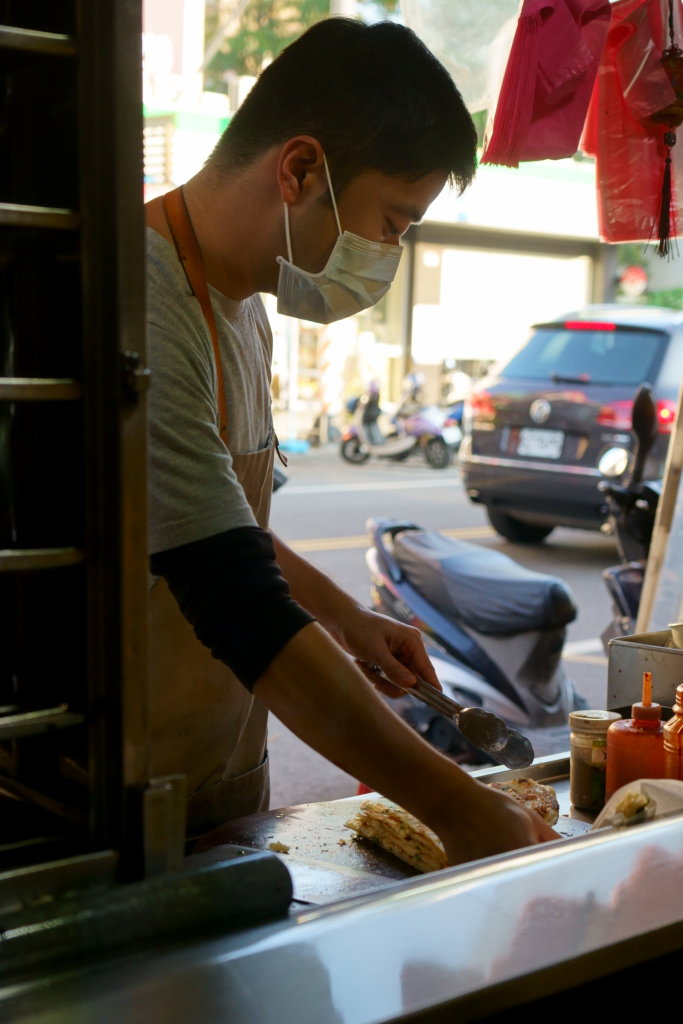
[481, 588]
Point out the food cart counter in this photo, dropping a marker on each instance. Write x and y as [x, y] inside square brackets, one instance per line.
[361, 939]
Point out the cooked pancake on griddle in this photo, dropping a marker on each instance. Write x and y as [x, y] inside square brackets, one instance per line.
[400, 833]
[534, 795]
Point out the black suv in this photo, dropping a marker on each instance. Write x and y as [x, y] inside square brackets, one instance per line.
[536, 427]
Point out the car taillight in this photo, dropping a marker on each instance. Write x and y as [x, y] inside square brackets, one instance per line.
[616, 415]
[589, 325]
[481, 405]
[666, 414]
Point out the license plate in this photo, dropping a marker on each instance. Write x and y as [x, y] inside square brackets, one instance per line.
[451, 435]
[540, 444]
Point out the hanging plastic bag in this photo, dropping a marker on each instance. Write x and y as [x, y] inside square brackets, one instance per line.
[471, 39]
[621, 129]
[548, 80]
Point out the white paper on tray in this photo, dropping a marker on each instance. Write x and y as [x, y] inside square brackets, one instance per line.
[665, 797]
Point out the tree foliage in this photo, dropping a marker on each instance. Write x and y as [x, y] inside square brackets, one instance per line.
[265, 28]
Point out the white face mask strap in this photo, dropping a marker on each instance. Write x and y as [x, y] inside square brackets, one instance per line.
[334, 201]
[287, 235]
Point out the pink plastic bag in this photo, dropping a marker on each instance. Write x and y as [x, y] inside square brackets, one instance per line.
[548, 80]
[628, 147]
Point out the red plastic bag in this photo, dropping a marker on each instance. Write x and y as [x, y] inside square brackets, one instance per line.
[548, 80]
[628, 146]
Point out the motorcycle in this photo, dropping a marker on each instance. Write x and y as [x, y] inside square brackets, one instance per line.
[428, 429]
[631, 511]
[494, 632]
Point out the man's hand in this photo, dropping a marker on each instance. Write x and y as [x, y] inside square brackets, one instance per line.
[482, 824]
[381, 644]
[370, 638]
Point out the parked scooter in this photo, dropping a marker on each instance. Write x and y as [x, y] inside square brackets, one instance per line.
[632, 507]
[437, 428]
[493, 629]
[429, 430]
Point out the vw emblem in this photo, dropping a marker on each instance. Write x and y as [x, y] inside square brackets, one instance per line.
[539, 410]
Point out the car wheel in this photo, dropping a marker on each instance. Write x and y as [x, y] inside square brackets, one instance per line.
[515, 529]
[353, 451]
[437, 453]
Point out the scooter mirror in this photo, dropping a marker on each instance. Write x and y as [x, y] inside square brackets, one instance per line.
[644, 414]
[644, 423]
[614, 462]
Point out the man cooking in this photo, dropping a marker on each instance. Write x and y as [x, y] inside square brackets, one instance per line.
[344, 141]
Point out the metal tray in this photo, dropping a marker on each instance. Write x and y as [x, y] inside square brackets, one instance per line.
[629, 657]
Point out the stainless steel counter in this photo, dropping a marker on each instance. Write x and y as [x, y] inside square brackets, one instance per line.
[479, 938]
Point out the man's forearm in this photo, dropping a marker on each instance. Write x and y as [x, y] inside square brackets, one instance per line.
[317, 691]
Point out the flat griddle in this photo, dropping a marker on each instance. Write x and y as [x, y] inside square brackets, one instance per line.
[325, 859]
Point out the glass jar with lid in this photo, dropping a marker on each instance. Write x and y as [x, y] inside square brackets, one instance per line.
[588, 757]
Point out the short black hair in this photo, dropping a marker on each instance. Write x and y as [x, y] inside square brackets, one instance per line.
[374, 97]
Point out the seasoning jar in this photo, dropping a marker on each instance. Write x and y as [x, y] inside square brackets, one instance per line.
[673, 739]
[635, 746]
[588, 757]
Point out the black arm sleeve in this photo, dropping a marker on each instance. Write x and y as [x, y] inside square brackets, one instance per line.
[229, 587]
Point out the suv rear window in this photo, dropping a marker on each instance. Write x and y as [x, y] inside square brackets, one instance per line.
[599, 356]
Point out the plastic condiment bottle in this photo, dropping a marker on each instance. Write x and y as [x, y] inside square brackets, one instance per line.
[588, 757]
[635, 746]
[673, 739]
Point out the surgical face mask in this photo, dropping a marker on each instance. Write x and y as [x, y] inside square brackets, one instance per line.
[357, 274]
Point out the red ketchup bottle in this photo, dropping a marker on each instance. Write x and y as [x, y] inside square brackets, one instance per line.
[635, 746]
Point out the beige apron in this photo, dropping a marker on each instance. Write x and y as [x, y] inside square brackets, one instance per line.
[204, 723]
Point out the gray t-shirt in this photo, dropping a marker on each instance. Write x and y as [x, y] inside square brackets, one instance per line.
[194, 492]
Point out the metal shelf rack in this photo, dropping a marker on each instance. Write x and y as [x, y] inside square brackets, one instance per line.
[72, 435]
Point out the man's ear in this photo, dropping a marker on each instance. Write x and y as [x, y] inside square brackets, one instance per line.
[300, 167]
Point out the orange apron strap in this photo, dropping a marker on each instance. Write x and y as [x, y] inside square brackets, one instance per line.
[190, 258]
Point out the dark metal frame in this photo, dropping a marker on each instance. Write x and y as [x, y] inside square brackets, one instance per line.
[72, 433]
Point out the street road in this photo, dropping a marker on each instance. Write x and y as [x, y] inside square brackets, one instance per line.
[321, 511]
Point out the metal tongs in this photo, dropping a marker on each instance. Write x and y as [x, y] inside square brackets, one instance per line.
[482, 728]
